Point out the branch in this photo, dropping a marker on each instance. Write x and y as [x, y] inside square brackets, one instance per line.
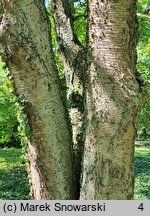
[143, 15]
[73, 56]
[69, 8]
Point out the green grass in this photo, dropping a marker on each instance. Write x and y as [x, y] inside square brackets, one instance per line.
[14, 183]
[142, 173]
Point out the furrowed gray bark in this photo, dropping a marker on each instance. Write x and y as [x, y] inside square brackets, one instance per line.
[113, 97]
[26, 48]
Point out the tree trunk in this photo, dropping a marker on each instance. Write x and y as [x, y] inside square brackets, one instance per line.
[26, 47]
[112, 90]
[73, 57]
[113, 97]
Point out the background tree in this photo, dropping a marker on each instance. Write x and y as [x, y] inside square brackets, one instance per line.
[103, 93]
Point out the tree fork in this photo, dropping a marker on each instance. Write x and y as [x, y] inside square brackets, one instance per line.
[73, 57]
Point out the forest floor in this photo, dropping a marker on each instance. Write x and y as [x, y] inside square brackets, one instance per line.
[142, 173]
[14, 184]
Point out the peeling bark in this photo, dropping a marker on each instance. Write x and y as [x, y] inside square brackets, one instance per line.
[26, 48]
[73, 57]
[113, 98]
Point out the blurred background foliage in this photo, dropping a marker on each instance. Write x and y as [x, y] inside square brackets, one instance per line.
[8, 111]
[14, 128]
[143, 66]
[13, 121]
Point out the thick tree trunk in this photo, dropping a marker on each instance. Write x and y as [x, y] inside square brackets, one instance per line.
[113, 97]
[26, 47]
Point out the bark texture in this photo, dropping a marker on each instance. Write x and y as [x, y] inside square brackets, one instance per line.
[73, 57]
[26, 48]
[113, 97]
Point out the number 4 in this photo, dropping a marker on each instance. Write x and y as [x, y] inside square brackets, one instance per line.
[141, 207]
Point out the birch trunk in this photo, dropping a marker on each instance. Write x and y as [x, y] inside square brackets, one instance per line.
[73, 57]
[113, 97]
[26, 48]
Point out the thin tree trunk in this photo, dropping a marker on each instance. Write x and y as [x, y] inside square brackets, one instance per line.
[113, 97]
[26, 47]
[73, 57]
